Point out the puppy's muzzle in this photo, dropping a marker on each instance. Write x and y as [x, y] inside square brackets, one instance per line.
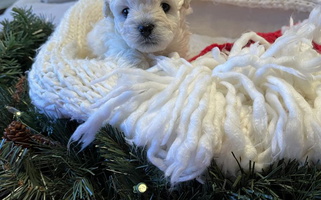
[146, 29]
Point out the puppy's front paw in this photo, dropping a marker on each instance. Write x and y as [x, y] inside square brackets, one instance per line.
[143, 64]
[135, 59]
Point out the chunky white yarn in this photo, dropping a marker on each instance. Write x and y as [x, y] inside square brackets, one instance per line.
[261, 102]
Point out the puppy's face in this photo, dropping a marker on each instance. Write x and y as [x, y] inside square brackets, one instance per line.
[146, 25]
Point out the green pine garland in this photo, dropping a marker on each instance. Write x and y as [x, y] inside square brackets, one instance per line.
[19, 41]
[109, 168]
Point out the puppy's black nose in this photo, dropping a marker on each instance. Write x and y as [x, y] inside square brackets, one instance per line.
[146, 29]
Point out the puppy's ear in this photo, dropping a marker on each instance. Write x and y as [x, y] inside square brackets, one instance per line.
[184, 7]
[106, 9]
[184, 4]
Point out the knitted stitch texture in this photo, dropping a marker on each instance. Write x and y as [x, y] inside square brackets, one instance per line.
[260, 101]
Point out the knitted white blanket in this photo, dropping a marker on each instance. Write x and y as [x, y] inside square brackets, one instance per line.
[261, 102]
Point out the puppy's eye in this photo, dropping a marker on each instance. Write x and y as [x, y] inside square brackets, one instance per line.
[166, 7]
[125, 12]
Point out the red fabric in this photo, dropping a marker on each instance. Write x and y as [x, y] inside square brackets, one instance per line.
[270, 37]
[317, 47]
[226, 46]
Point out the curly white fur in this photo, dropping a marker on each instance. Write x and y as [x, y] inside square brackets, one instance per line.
[261, 102]
[120, 36]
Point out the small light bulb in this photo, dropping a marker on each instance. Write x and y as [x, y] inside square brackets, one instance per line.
[140, 188]
[14, 111]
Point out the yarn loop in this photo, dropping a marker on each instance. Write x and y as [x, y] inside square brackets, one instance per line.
[259, 100]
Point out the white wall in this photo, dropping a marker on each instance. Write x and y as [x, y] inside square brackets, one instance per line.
[221, 20]
[215, 20]
[6, 3]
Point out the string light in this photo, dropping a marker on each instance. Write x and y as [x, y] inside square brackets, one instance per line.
[140, 188]
[14, 111]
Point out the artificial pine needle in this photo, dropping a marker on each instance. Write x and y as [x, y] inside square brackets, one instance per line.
[110, 168]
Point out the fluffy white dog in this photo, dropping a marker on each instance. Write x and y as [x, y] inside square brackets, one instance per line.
[134, 29]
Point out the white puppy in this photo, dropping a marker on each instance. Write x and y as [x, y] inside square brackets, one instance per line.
[133, 29]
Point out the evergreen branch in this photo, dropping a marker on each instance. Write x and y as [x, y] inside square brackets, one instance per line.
[19, 40]
[5, 100]
[110, 168]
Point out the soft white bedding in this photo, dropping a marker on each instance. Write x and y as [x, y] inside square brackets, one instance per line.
[261, 102]
[242, 111]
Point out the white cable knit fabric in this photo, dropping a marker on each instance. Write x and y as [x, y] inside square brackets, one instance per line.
[261, 102]
[299, 5]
